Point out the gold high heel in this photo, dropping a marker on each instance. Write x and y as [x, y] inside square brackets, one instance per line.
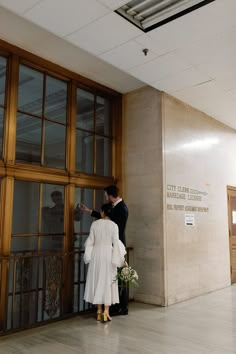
[99, 316]
[106, 317]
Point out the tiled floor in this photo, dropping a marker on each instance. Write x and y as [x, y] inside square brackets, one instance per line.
[204, 325]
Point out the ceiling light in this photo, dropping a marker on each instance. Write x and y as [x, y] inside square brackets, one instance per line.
[149, 14]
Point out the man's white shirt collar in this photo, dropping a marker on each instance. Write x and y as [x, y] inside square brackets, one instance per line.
[118, 201]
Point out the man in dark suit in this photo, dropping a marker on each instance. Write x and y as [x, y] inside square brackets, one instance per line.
[119, 216]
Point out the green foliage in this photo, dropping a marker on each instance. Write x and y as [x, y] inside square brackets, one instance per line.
[127, 277]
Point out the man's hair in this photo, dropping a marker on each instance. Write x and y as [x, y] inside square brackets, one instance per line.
[56, 194]
[107, 209]
[112, 190]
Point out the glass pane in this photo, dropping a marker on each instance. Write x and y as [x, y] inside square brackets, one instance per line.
[3, 66]
[1, 129]
[24, 244]
[103, 156]
[85, 110]
[30, 92]
[103, 119]
[99, 199]
[84, 151]
[53, 209]
[52, 243]
[56, 99]
[55, 140]
[82, 227]
[28, 139]
[25, 208]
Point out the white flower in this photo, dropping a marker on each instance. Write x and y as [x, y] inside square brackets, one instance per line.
[127, 275]
[125, 271]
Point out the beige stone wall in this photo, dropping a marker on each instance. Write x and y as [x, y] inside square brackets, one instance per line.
[143, 190]
[170, 148]
[199, 164]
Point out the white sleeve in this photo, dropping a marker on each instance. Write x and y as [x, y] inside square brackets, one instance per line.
[89, 245]
[119, 251]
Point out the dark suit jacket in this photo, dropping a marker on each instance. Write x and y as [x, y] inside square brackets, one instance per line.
[119, 216]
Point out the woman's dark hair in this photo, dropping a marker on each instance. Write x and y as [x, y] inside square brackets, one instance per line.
[107, 209]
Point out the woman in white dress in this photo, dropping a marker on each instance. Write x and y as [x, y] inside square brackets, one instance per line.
[104, 252]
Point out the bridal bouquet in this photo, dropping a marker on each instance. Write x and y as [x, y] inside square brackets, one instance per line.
[127, 276]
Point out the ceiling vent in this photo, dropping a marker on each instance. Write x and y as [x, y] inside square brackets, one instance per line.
[149, 14]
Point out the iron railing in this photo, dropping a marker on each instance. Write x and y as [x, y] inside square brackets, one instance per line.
[41, 288]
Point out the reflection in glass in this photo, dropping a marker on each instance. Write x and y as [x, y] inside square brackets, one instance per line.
[81, 228]
[53, 209]
[30, 91]
[84, 151]
[55, 140]
[28, 139]
[85, 110]
[25, 208]
[1, 129]
[86, 196]
[3, 66]
[99, 199]
[103, 153]
[56, 99]
[103, 121]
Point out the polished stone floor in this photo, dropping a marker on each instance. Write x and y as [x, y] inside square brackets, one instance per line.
[204, 325]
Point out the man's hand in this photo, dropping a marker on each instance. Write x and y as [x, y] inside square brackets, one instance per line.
[85, 208]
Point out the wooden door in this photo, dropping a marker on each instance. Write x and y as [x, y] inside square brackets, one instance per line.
[232, 231]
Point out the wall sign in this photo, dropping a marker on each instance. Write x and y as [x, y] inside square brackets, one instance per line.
[181, 198]
[189, 220]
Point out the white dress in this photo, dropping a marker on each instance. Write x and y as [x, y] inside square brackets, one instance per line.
[104, 252]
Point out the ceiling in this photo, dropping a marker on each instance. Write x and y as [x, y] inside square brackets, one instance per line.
[192, 58]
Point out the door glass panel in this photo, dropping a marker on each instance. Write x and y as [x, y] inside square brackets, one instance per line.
[233, 217]
[49, 243]
[28, 139]
[53, 211]
[85, 110]
[56, 99]
[1, 129]
[3, 67]
[55, 140]
[81, 229]
[103, 153]
[103, 121]
[25, 208]
[99, 199]
[232, 206]
[84, 151]
[30, 91]
[24, 244]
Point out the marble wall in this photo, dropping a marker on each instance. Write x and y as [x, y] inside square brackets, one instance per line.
[177, 165]
[199, 155]
[143, 190]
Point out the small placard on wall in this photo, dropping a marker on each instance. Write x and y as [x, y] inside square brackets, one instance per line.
[189, 220]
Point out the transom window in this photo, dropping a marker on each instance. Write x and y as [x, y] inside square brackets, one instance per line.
[93, 134]
[41, 119]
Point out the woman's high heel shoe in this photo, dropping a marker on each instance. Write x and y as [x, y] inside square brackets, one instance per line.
[99, 316]
[106, 316]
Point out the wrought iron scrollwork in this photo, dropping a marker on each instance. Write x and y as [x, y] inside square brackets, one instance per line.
[53, 285]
